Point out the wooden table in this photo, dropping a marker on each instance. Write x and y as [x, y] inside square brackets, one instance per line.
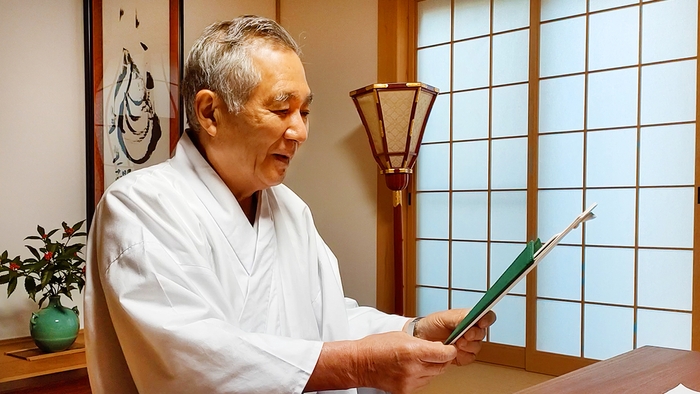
[60, 373]
[648, 369]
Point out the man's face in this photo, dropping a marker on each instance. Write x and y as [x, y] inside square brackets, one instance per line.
[256, 145]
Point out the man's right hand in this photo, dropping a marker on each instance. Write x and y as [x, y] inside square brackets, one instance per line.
[395, 362]
[399, 363]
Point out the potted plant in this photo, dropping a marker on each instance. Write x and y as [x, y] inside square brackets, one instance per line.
[55, 268]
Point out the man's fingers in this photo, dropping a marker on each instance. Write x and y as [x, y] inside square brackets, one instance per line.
[437, 353]
[487, 320]
[468, 346]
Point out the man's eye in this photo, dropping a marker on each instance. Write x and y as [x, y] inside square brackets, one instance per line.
[281, 111]
[305, 113]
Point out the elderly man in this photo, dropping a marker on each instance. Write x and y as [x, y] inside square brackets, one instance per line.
[207, 275]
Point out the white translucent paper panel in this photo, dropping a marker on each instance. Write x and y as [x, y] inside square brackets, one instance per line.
[666, 217]
[470, 165]
[666, 279]
[434, 22]
[607, 331]
[508, 216]
[562, 47]
[561, 160]
[430, 300]
[615, 213]
[510, 57]
[510, 14]
[469, 265]
[502, 255]
[509, 115]
[668, 92]
[669, 30]
[609, 275]
[611, 158]
[471, 64]
[509, 328]
[559, 274]
[465, 299]
[433, 167]
[433, 262]
[559, 327]
[596, 5]
[556, 209]
[667, 155]
[432, 215]
[473, 18]
[614, 39]
[509, 163]
[438, 127]
[553, 9]
[561, 104]
[665, 329]
[612, 98]
[469, 215]
[434, 66]
[470, 115]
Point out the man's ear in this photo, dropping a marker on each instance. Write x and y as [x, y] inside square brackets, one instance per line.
[207, 107]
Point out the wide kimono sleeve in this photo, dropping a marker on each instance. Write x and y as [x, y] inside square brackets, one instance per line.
[362, 320]
[157, 319]
[366, 320]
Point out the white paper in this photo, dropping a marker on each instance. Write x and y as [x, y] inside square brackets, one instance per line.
[680, 389]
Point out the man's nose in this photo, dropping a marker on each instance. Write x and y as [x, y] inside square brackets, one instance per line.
[298, 130]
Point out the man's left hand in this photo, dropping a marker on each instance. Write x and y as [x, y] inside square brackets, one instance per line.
[439, 325]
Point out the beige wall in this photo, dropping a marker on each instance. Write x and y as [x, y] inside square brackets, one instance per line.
[334, 171]
[42, 131]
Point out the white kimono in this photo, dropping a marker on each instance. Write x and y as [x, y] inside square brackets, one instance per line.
[183, 295]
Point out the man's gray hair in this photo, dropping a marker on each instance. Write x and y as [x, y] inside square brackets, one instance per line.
[220, 61]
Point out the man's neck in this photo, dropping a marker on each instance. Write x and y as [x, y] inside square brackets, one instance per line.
[250, 206]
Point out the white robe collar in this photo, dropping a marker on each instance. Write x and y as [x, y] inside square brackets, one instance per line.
[222, 204]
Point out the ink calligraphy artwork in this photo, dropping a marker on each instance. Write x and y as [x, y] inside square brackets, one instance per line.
[134, 50]
[136, 85]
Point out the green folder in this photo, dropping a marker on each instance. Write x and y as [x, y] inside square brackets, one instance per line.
[533, 253]
[505, 282]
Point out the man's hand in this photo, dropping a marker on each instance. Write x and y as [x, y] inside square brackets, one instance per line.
[399, 363]
[439, 325]
[393, 361]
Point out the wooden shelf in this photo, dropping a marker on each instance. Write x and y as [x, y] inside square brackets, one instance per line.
[15, 370]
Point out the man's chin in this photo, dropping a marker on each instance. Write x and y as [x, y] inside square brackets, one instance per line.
[277, 180]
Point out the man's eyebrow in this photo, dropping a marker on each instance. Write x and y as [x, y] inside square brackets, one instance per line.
[285, 96]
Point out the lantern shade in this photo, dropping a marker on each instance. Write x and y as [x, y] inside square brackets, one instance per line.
[394, 116]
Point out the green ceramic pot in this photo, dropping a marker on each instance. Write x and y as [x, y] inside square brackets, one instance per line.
[54, 327]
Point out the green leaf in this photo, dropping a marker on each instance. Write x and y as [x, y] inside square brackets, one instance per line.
[34, 251]
[4, 279]
[34, 237]
[78, 225]
[29, 285]
[40, 230]
[37, 266]
[52, 232]
[3, 256]
[73, 249]
[46, 277]
[41, 301]
[11, 286]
